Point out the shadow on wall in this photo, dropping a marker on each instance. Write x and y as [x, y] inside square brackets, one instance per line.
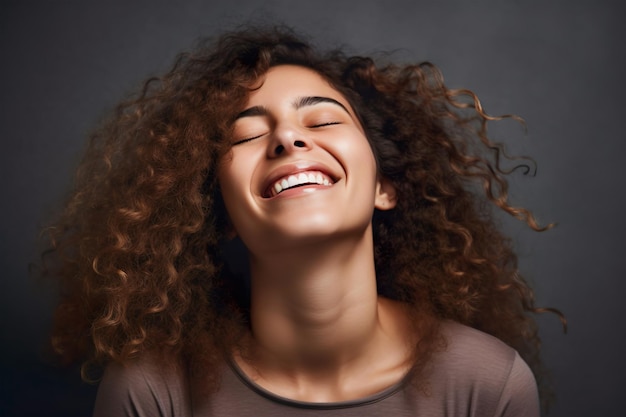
[41, 390]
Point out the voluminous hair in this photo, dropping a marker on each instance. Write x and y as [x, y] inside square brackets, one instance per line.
[140, 245]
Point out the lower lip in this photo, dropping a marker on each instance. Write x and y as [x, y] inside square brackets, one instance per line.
[301, 191]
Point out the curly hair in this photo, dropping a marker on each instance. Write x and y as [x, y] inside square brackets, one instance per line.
[141, 241]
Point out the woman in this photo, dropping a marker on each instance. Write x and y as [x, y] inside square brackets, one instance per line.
[377, 285]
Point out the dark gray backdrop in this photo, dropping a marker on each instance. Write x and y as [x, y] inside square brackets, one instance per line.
[559, 64]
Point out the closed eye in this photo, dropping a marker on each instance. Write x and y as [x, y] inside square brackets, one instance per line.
[239, 142]
[324, 124]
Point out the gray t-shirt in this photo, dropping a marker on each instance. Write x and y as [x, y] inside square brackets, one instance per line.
[476, 375]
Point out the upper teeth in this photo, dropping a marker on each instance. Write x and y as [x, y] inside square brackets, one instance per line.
[299, 179]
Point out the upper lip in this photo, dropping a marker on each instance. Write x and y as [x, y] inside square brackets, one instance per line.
[294, 168]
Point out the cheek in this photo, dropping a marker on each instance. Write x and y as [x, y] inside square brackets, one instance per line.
[235, 178]
[360, 154]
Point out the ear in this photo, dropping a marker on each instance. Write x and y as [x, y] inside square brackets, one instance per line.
[386, 197]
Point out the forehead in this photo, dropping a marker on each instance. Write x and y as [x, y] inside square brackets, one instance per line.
[291, 80]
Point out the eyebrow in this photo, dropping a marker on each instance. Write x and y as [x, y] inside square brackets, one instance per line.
[311, 101]
[298, 104]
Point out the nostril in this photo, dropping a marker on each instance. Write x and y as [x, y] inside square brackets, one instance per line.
[299, 144]
[279, 149]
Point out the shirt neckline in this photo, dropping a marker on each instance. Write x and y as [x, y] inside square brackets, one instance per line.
[360, 402]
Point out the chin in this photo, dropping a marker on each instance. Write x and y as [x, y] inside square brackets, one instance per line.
[307, 232]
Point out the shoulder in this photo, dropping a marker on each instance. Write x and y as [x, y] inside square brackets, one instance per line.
[472, 348]
[478, 370]
[144, 387]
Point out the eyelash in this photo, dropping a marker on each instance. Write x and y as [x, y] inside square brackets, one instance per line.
[239, 142]
[325, 124]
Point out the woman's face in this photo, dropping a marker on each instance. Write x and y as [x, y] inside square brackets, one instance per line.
[300, 168]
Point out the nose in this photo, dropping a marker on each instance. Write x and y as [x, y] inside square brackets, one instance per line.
[287, 139]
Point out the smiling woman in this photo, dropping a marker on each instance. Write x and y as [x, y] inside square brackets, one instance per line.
[378, 283]
[298, 126]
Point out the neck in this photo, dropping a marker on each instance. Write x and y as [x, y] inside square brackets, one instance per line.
[316, 317]
[315, 300]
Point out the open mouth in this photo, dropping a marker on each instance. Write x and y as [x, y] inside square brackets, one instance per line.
[300, 179]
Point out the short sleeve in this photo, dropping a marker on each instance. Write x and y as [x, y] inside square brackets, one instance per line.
[141, 389]
[519, 396]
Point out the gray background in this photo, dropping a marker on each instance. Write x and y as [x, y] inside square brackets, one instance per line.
[559, 64]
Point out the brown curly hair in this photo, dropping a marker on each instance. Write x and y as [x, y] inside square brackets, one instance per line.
[142, 239]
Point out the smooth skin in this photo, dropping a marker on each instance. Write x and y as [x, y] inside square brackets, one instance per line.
[320, 332]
